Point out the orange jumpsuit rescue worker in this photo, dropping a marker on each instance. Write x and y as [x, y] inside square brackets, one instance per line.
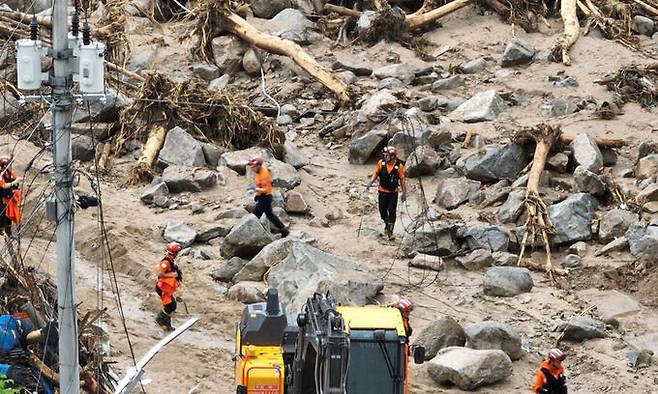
[405, 307]
[169, 278]
[390, 172]
[550, 375]
[263, 188]
[10, 196]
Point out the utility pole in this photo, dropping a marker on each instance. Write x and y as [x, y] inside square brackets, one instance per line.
[61, 82]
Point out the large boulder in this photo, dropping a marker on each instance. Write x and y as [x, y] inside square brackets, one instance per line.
[649, 193]
[180, 148]
[484, 236]
[643, 240]
[517, 52]
[237, 160]
[588, 182]
[439, 334]
[268, 8]
[294, 156]
[283, 174]
[452, 192]
[512, 208]
[308, 270]
[291, 24]
[177, 231]
[615, 223]
[377, 106]
[497, 162]
[269, 256]
[153, 191]
[408, 140]
[296, 204]
[246, 292]
[403, 71]
[587, 153]
[482, 107]
[469, 369]
[246, 239]
[476, 260]
[431, 239]
[572, 218]
[581, 328]
[362, 148]
[186, 179]
[507, 281]
[227, 52]
[82, 147]
[647, 167]
[228, 269]
[494, 335]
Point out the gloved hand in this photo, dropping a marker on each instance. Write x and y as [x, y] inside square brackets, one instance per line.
[403, 196]
[368, 185]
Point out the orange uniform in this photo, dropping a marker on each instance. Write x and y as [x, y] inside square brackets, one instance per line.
[11, 199]
[263, 180]
[167, 286]
[390, 167]
[541, 380]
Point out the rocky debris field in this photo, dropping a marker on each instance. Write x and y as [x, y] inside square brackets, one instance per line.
[455, 107]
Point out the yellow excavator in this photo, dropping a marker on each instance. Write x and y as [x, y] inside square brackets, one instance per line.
[325, 349]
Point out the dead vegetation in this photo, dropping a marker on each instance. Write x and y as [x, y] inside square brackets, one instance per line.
[635, 84]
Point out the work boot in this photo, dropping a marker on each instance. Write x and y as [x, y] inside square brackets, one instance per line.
[168, 325]
[284, 232]
[161, 319]
[389, 231]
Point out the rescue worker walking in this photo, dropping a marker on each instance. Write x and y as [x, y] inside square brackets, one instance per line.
[390, 172]
[550, 378]
[405, 307]
[169, 278]
[263, 189]
[10, 196]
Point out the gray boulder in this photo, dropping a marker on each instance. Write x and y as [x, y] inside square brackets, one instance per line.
[588, 182]
[233, 213]
[214, 231]
[402, 71]
[615, 223]
[571, 261]
[476, 260]
[517, 52]
[484, 236]
[207, 72]
[507, 281]
[474, 66]
[438, 136]
[494, 335]
[649, 193]
[643, 25]
[497, 162]
[451, 82]
[220, 83]
[439, 334]
[363, 147]
[559, 107]
[647, 167]
[377, 106]
[294, 156]
[581, 328]
[430, 239]
[180, 148]
[228, 269]
[228, 51]
[246, 239]
[469, 369]
[423, 161]
[296, 204]
[8, 105]
[572, 218]
[482, 107]
[390, 84]
[504, 258]
[452, 192]
[357, 67]
[251, 62]
[268, 8]
[246, 292]
[211, 153]
[177, 231]
[587, 153]
[308, 270]
[82, 147]
[269, 256]
[291, 24]
[558, 162]
[643, 240]
[237, 160]
[430, 103]
[186, 179]
[106, 111]
[283, 175]
[153, 190]
[512, 208]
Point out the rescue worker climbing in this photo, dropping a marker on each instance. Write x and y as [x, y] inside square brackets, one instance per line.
[10, 196]
[390, 172]
[550, 378]
[169, 278]
[263, 188]
[405, 307]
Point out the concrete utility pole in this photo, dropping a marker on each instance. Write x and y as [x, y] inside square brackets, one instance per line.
[61, 81]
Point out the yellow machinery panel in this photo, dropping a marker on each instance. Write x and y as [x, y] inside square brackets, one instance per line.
[372, 317]
[260, 369]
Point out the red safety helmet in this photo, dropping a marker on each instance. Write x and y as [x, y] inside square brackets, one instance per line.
[5, 161]
[253, 162]
[556, 354]
[391, 150]
[173, 247]
[405, 306]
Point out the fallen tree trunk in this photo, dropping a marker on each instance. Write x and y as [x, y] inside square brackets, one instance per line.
[560, 51]
[141, 172]
[240, 27]
[601, 142]
[416, 21]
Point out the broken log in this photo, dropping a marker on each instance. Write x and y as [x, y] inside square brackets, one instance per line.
[240, 27]
[416, 21]
[560, 51]
[125, 72]
[141, 172]
[601, 142]
[342, 10]
[500, 8]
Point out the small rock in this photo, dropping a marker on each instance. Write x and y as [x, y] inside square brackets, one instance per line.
[154, 190]
[649, 193]
[269, 8]
[390, 84]
[558, 162]
[401, 71]
[207, 72]
[482, 107]
[474, 66]
[358, 68]
[251, 64]
[638, 359]
[589, 182]
[348, 77]
[586, 152]
[643, 240]
[571, 261]
[423, 161]
[452, 192]
[579, 248]
[651, 207]
[580, 328]
[510, 211]
[246, 292]
[572, 218]
[227, 270]
[507, 281]
[484, 236]
[440, 334]
[177, 231]
[566, 82]
[295, 203]
[615, 245]
[452, 82]
[517, 52]
[504, 258]
[615, 223]
[219, 83]
[643, 25]
[82, 147]
[647, 167]
[373, 106]
[180, 148]
[477, 259]
[213, 232]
